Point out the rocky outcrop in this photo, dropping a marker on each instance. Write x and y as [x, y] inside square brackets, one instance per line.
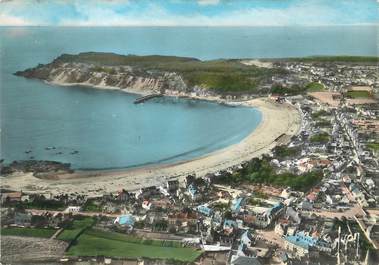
[35, 166]
[122, 77]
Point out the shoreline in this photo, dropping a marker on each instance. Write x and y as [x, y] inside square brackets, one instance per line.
[277, 120]
[102, 87]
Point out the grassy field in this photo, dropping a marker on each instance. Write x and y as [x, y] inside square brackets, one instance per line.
[284, 151]
[323, 123]
[373, 146]
[92, 206]
[320, 138]
[220, 75]
[315, 87]
[320, 113]
[78, 226]
[29, 232]
[287, 90]
[359, 94]
[110, 244]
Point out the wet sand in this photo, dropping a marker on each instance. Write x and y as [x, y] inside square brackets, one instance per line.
[277, 119]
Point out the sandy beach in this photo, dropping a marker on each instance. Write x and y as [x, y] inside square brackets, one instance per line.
[277, 119]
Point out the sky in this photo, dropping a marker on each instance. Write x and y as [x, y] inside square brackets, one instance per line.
[188, 12]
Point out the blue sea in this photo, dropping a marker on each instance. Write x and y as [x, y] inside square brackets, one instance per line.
[105, 128]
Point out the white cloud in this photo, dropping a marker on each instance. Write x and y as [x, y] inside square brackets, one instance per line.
[307, 13]
[117, 2]
[6, 20]
[209, 2]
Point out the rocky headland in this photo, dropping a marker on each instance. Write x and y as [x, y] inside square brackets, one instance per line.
[155, 74]
[125, 77]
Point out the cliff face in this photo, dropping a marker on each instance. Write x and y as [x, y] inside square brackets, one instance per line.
[122, 77]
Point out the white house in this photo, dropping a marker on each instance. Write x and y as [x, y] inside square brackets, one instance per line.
[73, 209]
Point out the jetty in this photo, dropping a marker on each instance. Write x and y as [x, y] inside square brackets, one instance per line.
[147, 97]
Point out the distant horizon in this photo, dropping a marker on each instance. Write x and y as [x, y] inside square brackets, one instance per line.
[316, 56]
[204, 43]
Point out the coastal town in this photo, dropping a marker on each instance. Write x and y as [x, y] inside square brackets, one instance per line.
[310, 198]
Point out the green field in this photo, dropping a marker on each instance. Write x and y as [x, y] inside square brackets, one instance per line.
[29, 232]
[373, 146]
[285, 151]
[359, 94]
[320, 113]
[315, 87]
[110, 244]
[92, 206]
[320, 138]
[323, 123]
[77, 227]
[287, 90]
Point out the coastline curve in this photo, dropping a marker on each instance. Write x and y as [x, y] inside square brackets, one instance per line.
[279, 122]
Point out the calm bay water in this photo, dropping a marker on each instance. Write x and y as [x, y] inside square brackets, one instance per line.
[111, 132]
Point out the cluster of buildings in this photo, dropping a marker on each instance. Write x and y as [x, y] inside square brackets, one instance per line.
[237, 225]
[334, 75]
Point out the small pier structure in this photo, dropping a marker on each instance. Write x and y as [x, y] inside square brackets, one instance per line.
[147, 97]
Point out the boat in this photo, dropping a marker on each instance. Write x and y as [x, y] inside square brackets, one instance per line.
[50, 148]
